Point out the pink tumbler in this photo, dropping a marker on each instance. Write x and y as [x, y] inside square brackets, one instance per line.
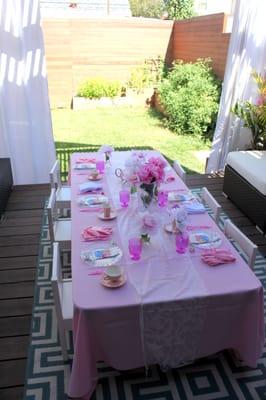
[135, 247]
[181, 242]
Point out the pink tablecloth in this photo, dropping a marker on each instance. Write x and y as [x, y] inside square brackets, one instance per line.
[222, 307]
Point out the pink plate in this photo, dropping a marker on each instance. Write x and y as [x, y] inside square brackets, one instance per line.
[113, 215]
[113, 283]
[98, 178]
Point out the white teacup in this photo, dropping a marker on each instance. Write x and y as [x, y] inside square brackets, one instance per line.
[113, 271]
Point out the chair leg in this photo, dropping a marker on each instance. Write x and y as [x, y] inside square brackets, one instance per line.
[62, 337]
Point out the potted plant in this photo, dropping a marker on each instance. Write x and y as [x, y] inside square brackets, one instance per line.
[254, 115]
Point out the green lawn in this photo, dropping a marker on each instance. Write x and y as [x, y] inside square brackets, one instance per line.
[126, 127]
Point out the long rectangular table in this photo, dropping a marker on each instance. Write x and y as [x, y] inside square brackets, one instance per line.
[208, 309]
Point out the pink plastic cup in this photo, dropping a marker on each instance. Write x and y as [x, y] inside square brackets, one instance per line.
[181, 242]
[124, 197]
[162, 198]
[135, 247]
[100, 166]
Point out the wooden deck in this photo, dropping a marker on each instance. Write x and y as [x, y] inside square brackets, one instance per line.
[19, 241]
[19, 245]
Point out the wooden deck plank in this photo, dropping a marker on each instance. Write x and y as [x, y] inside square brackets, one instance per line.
[13, 393]
[16, 290]
[20, 275]
[19, 251]
[12, 373]
[14, 347]
[18, 262]
[16, 214]
[19, 230]
[25, 205]
[19, 240]
[15, 326]
[16, 307]
[45, 187]
[23, 221]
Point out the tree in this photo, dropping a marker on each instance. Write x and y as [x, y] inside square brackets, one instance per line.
[180, 9]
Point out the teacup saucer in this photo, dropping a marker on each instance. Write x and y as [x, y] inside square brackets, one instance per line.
[113, 283]
[95, 178]
[113, 215]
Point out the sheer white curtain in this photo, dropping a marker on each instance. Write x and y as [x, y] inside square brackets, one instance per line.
[247, 51]
[25, 120]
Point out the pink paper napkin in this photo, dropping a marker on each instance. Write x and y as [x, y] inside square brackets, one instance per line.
[215, 257]
[86, 160]
[96, 233]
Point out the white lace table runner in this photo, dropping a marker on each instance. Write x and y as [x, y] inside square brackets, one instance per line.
[173, 310]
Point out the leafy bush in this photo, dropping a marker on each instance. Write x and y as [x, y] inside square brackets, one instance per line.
[190, 97]
[180, 9]
[95, 88]
[148, 74]
[254, 115]
[147, 8]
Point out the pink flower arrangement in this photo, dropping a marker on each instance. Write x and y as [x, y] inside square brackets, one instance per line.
[152, 171]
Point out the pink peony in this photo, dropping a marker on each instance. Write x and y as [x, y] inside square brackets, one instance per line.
[152, 171]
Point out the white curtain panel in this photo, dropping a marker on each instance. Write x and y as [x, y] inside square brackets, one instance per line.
[25, 120]
[247, 52]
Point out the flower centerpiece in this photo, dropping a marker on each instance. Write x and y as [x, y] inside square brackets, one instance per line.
[254, 115]
[150, 175]
[132, 165]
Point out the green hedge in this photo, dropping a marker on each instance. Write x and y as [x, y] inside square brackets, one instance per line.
[95, 88]
[190, 97]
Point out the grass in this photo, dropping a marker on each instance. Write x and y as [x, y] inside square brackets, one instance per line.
[127, 127]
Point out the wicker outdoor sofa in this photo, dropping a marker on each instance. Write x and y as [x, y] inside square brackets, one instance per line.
[245, 184]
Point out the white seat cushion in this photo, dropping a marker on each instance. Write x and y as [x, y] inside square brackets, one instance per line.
[251, 165]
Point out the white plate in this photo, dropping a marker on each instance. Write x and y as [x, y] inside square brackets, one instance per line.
[95, 178]
[84, 166]
[180, 197]
[99, 256]
[205, 240]
[95, 200]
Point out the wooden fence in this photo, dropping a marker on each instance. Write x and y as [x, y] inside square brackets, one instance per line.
[80, 48]
[202, 37]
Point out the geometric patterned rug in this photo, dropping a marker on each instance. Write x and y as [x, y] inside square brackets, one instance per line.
[219, 376]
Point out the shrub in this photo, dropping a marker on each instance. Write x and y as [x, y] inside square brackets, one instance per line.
[147, 74]
[190, 96]
[180, 9]
[147, 8]
[95, 88]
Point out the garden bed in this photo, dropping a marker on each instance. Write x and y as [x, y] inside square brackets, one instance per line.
[132, 98]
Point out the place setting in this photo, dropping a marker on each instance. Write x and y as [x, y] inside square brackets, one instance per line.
[104, 260]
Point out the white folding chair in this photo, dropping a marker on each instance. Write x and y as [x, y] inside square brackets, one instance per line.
[179, 170]
[63, 193]
[212, 203]
[249, 248]
[62, 291]
[59, 229]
